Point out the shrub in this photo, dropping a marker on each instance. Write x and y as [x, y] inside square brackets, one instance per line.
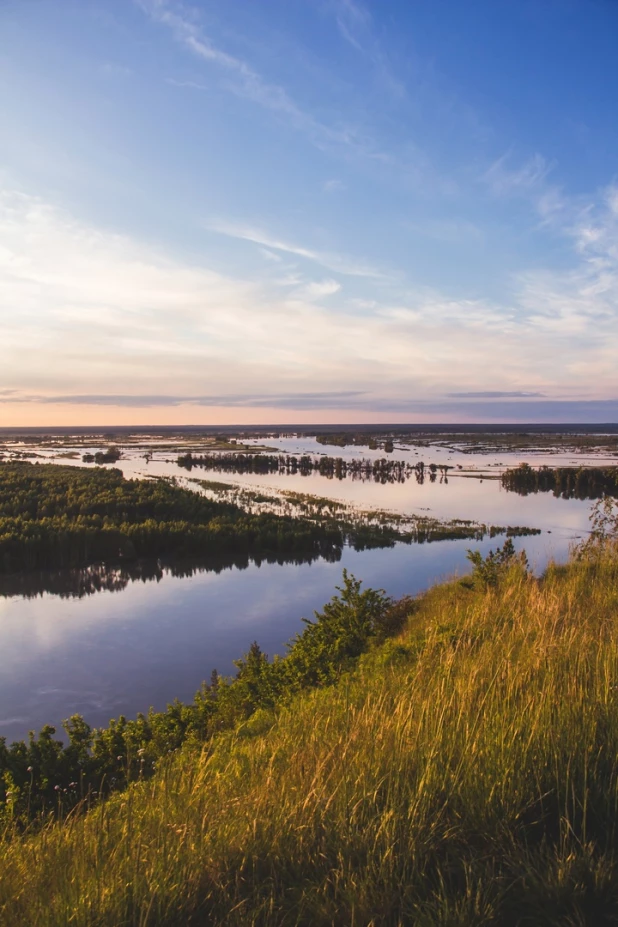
[488, 571]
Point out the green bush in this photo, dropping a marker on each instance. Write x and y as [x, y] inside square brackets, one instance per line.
[488, 571]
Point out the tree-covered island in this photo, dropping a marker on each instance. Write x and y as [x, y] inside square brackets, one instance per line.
[56, 516]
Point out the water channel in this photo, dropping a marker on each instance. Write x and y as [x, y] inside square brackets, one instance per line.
[109, 642]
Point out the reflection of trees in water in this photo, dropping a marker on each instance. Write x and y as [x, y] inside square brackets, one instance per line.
[100, 577]
[75, 583]
[362, 469]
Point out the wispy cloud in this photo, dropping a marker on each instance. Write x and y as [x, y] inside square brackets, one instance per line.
[583, 300]
[336, 262]
[270, 255]
[496, 394]
[245, 81]
[350, 131]
[191, 84]
[319, 400]
[321, 288]
[352, 20]
[355, 24]
[248, 82]
[505, 180]
[333, 186]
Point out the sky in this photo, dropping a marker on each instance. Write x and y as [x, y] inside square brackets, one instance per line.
[300, 211]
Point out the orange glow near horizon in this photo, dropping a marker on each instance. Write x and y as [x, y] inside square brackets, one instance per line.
[49, 416]
[32, 415]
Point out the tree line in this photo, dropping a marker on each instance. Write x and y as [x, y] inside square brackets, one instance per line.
[357, 440]
[566, 482]
[380, 471]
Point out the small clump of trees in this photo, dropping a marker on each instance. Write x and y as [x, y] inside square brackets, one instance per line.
[111, 455]
[566, 482]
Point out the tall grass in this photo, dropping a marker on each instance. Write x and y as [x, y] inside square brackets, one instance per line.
[465, 774]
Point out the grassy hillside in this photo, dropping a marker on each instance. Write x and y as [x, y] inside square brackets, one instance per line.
[465, 773]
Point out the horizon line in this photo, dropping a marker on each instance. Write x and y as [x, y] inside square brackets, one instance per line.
[510, 425]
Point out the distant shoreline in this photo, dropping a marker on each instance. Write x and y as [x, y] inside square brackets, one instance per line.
[430, 429]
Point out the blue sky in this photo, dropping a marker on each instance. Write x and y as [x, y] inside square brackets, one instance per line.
[308, 210]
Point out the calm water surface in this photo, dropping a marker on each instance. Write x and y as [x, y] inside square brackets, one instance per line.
[120, 652]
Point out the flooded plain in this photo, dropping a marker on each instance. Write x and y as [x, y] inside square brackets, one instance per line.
[103, 642]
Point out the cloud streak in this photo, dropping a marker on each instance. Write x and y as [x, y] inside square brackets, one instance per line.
[350, 131]
[246, 82]
[504, 180]
[336, 262]
[320, 400]
[496, 394]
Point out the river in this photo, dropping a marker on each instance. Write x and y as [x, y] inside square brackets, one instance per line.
[142, 642]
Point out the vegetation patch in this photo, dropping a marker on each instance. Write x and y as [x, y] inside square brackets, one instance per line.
[362, 528]
[567, 482]
[57, 516]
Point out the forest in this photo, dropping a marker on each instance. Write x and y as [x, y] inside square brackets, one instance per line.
[57, 516]
[566, 482]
